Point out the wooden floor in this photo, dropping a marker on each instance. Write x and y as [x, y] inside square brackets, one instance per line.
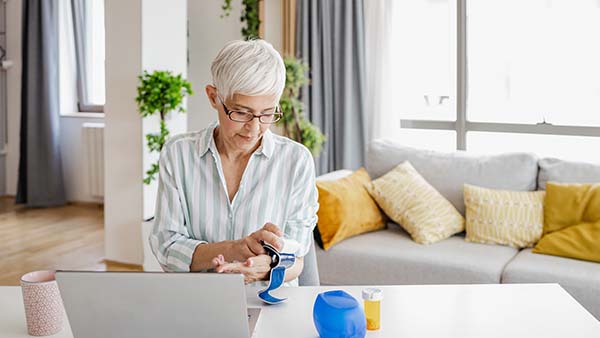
[69, 237]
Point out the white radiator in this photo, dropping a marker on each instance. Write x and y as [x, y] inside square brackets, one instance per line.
[93, 144]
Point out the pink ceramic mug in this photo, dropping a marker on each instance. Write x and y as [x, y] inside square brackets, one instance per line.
[43, 305]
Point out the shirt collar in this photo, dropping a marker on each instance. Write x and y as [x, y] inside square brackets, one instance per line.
[266, 145]
[207, 142]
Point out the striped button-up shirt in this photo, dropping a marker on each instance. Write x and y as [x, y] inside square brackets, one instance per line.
[192, 207]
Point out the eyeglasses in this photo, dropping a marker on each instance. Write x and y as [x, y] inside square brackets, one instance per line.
[242, 116]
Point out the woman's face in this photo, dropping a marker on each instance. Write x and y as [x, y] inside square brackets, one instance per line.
[243, 136]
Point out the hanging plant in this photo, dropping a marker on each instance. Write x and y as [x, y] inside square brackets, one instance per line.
[250, 17]
[294, 123]
[160, 92]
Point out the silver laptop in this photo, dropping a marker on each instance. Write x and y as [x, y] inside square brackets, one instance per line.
[156, 304]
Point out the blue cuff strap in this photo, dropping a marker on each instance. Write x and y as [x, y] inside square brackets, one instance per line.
[279, 263]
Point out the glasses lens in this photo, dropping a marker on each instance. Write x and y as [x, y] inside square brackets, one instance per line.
[270, 118]
[266, 118]
[240, 116]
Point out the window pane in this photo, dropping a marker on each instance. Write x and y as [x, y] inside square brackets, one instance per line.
[440, 140]
[422, 73]
[534, 60]
[574, 148]
[96, 63]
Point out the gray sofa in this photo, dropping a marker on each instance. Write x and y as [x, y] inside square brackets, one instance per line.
[390, 256]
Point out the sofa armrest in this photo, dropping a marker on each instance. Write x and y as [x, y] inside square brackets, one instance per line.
[334, 175]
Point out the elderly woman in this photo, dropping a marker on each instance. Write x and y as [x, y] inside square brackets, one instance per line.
[225, 190]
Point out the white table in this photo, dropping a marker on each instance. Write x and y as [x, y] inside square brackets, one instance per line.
[506, 310]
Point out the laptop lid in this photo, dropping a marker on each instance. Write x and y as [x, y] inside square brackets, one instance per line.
[154, 304]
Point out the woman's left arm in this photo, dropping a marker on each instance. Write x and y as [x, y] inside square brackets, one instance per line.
[293, 272]
[301, 215]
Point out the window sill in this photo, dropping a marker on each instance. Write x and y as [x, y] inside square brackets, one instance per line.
[84, 115]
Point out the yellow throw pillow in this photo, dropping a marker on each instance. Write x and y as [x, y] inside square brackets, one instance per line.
[407, 198]
[346, 209]
[571, 221]
[514, 218]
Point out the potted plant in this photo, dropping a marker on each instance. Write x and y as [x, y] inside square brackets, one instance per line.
[160, 92]
[295, 125]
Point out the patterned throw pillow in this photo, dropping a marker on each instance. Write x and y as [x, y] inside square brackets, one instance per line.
[514, 218]
[406, 197]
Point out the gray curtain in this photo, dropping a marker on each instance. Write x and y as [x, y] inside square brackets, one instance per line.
[40, 170]
[330, 37]
[80, 12]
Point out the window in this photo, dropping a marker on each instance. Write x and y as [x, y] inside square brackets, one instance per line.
[95, 38]
[424, 61]
[503, 75]
[81, 28]
[543, 66]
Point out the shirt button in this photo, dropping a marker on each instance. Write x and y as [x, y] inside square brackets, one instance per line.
[230, 215]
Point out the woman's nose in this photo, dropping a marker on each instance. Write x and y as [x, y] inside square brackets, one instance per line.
[253, 124]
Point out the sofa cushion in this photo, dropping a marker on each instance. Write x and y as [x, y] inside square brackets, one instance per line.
[514, 218]
[346, 209]
[571, 221]
[552, 169]
[391, 257]
[413, 203]
[580, 278]
[335, 175]
[447, 172]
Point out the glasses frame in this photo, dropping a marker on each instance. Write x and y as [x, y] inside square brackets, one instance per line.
[277, 114]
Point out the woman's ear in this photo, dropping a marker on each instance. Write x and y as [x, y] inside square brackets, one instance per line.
[211, 93]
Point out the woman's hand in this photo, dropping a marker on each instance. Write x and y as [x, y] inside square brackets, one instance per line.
[254, 269]
[251, 245]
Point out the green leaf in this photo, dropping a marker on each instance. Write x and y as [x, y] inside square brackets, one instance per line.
[160, 92]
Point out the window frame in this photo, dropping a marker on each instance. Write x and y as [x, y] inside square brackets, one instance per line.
[462, 125]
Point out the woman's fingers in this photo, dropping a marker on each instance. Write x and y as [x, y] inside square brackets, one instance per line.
[259, 261]
[219, 260]
[273, 228]
[254, 244]
[236, 267]
[268, 237]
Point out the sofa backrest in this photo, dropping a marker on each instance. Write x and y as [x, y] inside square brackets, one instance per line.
[552, 169]
[448, 172]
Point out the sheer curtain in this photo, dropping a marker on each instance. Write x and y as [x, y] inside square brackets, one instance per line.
[83, 35]
[382, 119]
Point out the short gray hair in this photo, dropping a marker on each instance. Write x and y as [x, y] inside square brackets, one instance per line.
[249, 68]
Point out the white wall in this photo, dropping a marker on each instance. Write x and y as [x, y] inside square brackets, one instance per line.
[13, 80]
[273, 23]
[140, 34]
[162, 49]
[123, 132]
[208, 33]
[74, 159]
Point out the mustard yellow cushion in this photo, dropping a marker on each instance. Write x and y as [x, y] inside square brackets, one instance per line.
[514, 218]
[571, 221]
[346, 209]
[406, 197]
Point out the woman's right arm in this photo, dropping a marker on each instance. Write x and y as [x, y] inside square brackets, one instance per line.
[238, 250]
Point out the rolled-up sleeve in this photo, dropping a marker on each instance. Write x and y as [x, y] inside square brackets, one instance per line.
[303, 204]
[170, 240]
